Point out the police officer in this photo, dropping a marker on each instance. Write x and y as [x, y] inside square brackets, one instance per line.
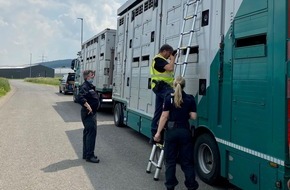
[89, 100]
[179, 107]
[162, 77]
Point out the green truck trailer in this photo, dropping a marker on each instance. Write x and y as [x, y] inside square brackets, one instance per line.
[238, 70]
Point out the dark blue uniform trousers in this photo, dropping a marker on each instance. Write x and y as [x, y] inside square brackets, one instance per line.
[89, 133]
[159, 100]
[179, 146]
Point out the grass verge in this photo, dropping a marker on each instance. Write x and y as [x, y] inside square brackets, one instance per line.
[4, 86]
[44, 80]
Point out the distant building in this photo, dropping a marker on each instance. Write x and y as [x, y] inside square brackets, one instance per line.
[59, 72]
[26, 72]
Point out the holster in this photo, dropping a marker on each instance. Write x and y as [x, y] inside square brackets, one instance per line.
[159, 85]
[170, 125]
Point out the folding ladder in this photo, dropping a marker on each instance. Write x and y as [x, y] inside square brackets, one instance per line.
[156, 160]
[186, 19]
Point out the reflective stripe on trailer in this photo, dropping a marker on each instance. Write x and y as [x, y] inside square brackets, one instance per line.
[252, 152]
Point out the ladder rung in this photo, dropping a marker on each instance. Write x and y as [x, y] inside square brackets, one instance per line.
[183, 63]
[182, 48]
[189, 17]
[188, 32]
[159, 145]
[154, 163]
[191, 2]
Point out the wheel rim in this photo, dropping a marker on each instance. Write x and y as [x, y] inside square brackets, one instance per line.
[116, 114]
[205, 158]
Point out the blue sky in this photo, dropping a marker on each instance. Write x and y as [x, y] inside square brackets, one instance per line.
[49, 29]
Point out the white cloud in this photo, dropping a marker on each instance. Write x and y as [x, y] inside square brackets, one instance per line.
[3, 22]
[50, 28]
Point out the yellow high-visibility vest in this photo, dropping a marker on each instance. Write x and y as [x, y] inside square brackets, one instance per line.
[167, 76]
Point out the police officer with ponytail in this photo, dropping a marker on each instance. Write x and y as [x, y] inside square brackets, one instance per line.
[162, 77]
[178, 108]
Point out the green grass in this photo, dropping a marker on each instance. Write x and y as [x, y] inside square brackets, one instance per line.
[44, 80]
[4, 86]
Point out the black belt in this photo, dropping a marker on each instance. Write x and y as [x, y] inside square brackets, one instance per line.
[173, 124]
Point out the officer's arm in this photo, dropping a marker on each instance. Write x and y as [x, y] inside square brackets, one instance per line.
[161, 125]
[82, 98]
[170, 65]
[192, 115]
[82, 95]
[162, 121]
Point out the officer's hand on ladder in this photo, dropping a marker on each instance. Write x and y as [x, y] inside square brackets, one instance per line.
[157, 137]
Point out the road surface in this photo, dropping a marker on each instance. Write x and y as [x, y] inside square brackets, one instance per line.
[41, 146]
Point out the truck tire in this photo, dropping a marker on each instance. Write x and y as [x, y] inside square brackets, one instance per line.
[118, 115]
[75, 94]
[207, 159]
[74, 98]
[99, 106]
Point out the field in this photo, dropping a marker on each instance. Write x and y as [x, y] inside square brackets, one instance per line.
[44, 80]
[4, 86]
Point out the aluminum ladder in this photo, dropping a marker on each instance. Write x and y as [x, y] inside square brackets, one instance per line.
[154, 159]
[181, 47]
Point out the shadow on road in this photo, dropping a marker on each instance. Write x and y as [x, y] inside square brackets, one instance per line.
[62, 165]
[69, 111]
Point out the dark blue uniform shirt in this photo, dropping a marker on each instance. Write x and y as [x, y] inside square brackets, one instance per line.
[160, 64]
[180, 115]
[88, 94]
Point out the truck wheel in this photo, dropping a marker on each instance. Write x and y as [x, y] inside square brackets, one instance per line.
[118, 115]
[74, 98]
[75, 94]
[207, 159]
[99, 103]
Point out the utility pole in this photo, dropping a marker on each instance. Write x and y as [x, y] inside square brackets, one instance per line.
[82, 27]
[43, 57]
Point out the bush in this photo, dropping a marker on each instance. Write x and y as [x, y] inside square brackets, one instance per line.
[4, 86]
[43, 80]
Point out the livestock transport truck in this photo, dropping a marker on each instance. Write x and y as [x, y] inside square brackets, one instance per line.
[238, 70]
[97, 54]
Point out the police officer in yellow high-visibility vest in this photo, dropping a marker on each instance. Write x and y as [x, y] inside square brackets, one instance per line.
[162, 77]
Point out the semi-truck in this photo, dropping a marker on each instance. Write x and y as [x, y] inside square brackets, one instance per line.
[238, 71]
[97, 54]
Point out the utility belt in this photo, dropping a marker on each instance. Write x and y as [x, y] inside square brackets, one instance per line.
[159, 85]
[174, 124]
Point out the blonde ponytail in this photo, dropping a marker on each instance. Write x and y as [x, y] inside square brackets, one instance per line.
[178, 85]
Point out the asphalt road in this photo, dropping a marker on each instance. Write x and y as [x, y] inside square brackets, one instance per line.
[41, 147]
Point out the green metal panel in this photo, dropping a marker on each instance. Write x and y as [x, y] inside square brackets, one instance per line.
[225, 90]
[139, 122]
[250, 52]
[250, 6]
[251, 24]
[133, 120]
[240, 171]
[224, 159]
[279, 36]
[202, 110]
[145, 128]
[269, 177]
[251, 70]
[252, 96]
